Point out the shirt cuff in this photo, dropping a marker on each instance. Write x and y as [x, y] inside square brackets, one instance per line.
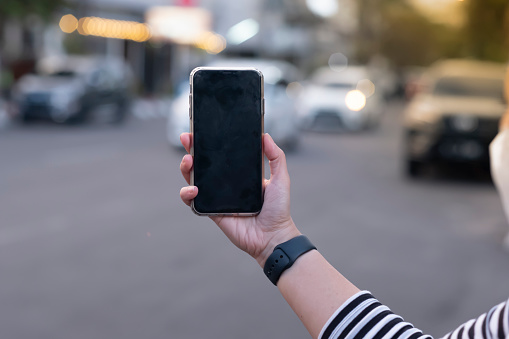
[349, 307]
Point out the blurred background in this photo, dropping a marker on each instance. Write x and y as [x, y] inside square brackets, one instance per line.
[385, 108]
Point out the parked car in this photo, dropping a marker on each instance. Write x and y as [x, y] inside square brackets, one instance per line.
[72, 88]
[280, 107]
[348, 98]
[455, 116]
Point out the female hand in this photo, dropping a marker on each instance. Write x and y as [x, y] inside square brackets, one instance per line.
[256, 235]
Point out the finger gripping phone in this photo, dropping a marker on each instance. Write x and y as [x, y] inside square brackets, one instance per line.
[226, 112]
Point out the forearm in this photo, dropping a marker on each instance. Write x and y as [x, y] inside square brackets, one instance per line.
[314, 290]
[325, 300]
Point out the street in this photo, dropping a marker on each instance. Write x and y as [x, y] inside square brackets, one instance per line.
[95, 242]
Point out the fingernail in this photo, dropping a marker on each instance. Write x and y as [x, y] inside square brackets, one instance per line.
[191, 189]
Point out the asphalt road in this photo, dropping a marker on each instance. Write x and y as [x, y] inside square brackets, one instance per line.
[95, 243]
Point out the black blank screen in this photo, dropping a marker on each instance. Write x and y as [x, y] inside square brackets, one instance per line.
[227, 136]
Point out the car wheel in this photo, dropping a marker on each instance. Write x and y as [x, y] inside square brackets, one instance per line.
[374, 123]
[121, 113]
[77, 119]
[25, 119]
[413, 168]
[354, 125]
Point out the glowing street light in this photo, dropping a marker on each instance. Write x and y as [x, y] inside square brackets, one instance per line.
[323, 8]
[68, 23]
[106, 28]
[181, 25]
[212, 43]
[242, 31]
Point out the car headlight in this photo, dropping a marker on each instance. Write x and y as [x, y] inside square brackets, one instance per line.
[423, 113]
[355, 100]
[464, 123]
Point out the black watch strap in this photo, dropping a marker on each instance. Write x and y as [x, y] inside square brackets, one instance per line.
[284, 256]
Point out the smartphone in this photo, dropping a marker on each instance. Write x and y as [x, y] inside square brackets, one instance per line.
[226, 118]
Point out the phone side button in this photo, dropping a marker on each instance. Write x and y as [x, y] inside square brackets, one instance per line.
[263, 106]
[190, 103]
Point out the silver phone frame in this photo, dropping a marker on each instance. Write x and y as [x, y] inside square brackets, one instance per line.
[191, 129]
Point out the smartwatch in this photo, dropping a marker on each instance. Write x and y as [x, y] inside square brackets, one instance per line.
[284, 255]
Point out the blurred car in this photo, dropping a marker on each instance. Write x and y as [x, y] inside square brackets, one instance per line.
[280, 105]
[348, 98]
[73, 88]
[411, 81]
[455, 116]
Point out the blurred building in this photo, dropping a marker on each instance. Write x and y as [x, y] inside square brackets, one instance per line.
[292, 30]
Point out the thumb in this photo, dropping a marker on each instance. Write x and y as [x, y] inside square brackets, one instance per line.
[276, 156]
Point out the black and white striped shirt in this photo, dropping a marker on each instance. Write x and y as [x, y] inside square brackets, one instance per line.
[362, 316]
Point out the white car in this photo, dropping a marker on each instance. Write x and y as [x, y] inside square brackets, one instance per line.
[347, 98]
[281, 120]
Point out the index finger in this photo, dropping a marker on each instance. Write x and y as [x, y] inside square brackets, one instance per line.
[186, 140]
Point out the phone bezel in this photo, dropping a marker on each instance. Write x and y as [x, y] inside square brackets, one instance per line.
[191, 129]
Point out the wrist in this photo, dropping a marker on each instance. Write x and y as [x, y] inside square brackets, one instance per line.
[285, 255]
[281, 236]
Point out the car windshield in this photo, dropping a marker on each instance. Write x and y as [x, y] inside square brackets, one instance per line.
[339, 85]
[63, 74]
[470, 87]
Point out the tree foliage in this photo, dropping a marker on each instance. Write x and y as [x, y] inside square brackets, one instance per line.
[22, 8]
[410, 38]
[486, 29]
[397, 30]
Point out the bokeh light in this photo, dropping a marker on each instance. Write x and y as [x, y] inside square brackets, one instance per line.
[367, 87]
[355, 100]
[82, 24]
[68, 23]
[323, 8]
[338, 62]
[294, 89]
[211, 42]
[243, 31]
[106, 28]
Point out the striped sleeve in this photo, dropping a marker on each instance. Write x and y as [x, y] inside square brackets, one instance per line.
[493, 324]
[362, 316]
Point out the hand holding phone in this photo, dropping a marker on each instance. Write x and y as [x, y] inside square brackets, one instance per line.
[256, 235]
